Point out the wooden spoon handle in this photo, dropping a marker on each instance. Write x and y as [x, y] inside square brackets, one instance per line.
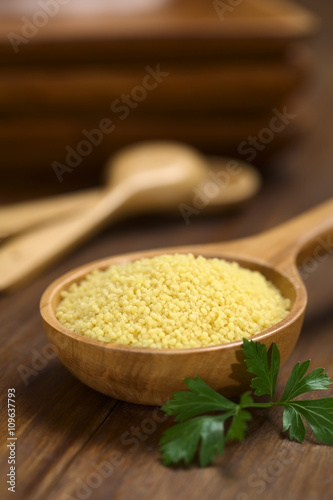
[307, 235]
[22, 216]
[302, 236]
[27, 254]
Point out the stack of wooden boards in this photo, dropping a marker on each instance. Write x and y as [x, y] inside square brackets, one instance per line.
[76, 87]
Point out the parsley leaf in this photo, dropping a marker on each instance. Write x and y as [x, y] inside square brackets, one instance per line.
[318, 413]
[206, 433]
[181, 441]
[292, 420]
[298, 383]
[201, 399]
[258, 363]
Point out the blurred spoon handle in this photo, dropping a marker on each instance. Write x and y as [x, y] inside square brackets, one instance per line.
[19, 217]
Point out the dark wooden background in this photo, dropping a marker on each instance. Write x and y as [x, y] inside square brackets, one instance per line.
[74, 443]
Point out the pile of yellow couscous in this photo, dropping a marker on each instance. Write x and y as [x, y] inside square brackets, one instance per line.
[172, 301]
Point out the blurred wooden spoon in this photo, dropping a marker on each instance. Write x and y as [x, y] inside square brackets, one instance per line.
[226, 184]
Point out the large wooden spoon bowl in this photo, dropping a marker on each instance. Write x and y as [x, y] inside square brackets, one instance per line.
[150, 376]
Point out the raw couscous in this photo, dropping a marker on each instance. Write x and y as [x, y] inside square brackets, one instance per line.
[172, 301]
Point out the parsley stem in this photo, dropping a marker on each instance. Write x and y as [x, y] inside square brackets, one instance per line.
[260, 405]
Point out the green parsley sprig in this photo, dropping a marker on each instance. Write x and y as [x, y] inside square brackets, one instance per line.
[207, 434]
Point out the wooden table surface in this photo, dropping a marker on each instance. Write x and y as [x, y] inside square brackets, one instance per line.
[74, 443]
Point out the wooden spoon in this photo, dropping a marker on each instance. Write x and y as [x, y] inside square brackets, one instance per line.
[154, 175]
[150, 376]
[235, 182]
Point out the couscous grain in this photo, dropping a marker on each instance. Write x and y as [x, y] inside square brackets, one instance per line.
[172, 301]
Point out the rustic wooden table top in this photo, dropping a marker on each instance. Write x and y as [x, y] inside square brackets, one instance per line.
[74, 443]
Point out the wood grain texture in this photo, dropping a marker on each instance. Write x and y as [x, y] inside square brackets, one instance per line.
[67, 431]
[125, 444]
